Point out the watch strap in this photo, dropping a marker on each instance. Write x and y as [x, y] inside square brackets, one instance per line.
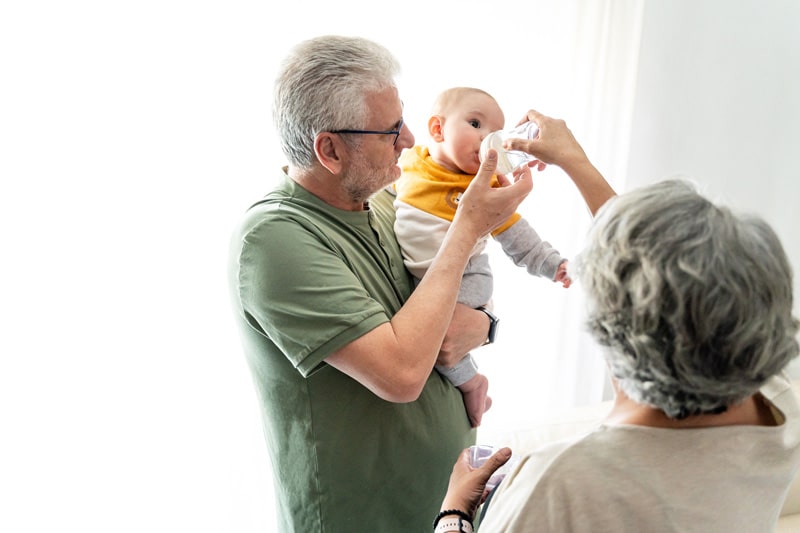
[453, 524]
[493, 321]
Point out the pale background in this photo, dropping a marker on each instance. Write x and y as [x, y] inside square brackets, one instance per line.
[132, 135]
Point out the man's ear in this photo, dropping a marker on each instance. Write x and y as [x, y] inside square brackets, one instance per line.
[330, 151]
[435, 125]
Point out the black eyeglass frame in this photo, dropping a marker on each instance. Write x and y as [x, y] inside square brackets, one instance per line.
[396, 132]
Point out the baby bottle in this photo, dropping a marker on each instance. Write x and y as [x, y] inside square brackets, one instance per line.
[509, 160]
[479, 453]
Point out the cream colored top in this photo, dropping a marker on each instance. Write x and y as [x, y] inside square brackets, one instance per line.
[626, 478]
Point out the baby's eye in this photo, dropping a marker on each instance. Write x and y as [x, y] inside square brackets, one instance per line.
[475, 123]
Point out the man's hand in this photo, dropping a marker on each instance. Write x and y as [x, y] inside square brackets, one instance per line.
[468, 329]
[482, 207]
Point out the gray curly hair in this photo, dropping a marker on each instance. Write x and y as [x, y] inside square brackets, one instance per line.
[321, 87]
[693, 301]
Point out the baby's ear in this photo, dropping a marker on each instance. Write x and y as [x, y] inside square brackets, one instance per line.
[435, 124]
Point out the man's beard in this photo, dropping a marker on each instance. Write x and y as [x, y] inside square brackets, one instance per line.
[363, 180]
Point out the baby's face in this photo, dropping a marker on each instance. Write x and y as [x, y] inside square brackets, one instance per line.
[465, 126]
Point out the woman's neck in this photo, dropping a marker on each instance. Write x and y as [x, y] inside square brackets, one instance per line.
[752, 411]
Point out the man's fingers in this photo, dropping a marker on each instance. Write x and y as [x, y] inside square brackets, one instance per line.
[488, 166]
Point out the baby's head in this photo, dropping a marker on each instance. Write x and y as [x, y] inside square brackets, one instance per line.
[461, 117]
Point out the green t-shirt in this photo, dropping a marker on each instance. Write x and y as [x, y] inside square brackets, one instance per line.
[307, 279]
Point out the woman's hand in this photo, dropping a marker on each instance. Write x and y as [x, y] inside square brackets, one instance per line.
[555, 145]
[467, 487]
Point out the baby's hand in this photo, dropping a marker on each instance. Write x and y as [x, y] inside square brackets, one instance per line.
[561, 275]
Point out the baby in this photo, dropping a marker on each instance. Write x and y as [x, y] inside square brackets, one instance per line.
[432, 181]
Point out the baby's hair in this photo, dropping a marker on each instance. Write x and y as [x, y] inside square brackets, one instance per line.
[447, 98]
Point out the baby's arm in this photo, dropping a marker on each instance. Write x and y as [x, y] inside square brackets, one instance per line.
[461, 372]
[523, 245]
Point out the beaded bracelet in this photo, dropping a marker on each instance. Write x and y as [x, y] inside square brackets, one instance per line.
[461, 515]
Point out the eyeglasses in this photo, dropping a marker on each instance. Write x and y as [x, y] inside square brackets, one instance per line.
[396, 132]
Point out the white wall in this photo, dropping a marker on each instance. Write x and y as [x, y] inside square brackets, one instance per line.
[718, 100]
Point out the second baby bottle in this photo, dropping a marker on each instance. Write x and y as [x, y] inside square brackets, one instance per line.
[509, 160]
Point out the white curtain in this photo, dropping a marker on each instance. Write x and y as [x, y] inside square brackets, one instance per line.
[133, 135]
[544, 358]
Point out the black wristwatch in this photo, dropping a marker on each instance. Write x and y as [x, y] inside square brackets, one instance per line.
[493, 321]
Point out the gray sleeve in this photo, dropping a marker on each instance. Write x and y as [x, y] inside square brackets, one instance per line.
[477, 283]
[461, 372]
[523, 245]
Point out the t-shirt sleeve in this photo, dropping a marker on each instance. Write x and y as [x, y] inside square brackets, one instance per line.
[297, 290]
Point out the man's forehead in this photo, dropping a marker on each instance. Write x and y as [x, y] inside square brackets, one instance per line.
[385, 103]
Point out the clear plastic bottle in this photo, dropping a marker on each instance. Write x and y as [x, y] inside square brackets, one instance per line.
[479, 453]
[509, 160]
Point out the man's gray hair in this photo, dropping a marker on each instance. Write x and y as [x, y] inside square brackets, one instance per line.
[321, 87]
[693, 301]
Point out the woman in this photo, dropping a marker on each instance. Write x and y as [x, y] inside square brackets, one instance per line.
[694, 306]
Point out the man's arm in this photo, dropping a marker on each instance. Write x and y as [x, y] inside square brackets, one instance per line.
[468, 330]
